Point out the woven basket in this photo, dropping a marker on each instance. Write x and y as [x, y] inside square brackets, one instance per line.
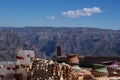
[99, 70]
[99, 74]
[111, 71]
[118, 72]
[80, 78]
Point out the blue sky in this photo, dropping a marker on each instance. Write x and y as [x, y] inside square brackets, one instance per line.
[57, 13]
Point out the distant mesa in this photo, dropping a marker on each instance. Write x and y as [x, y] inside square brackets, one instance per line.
[44, 40]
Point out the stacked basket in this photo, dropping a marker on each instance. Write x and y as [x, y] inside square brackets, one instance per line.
[99, 70]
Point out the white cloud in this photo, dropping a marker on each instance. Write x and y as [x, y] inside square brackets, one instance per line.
[51, 17]
[82, 12]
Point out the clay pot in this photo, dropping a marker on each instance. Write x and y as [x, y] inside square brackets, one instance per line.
[72, 59]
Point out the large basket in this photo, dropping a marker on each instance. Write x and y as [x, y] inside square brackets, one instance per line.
[99, 70]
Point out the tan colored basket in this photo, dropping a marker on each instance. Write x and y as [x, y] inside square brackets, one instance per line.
[80, 78]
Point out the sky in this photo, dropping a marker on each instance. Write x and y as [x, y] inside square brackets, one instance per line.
[103, 14]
